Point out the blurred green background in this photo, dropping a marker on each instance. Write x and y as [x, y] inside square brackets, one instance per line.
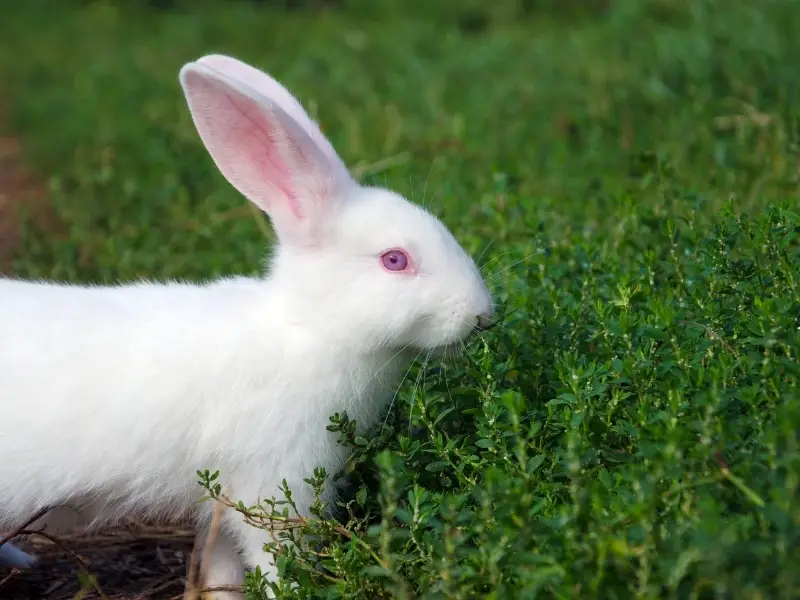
[574, 108]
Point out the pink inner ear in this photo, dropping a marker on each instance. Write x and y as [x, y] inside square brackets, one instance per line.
[246, 142]
[270, 88]
[257, 137]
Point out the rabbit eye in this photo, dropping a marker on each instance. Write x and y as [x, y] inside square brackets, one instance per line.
[395, 260]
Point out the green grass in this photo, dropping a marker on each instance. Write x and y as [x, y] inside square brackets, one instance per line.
[632, 430]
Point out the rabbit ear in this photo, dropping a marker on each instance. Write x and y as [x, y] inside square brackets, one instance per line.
[266, 145]
[268, 87]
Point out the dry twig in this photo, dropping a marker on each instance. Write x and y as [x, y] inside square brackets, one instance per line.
[198, 568]
[81, 563]
[19, 530]
[9, 576]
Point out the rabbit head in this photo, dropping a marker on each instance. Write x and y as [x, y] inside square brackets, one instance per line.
[360, 258]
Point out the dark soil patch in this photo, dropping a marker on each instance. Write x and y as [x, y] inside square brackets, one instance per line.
[128, 564]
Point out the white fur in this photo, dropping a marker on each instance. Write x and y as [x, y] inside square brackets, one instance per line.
[111, 398]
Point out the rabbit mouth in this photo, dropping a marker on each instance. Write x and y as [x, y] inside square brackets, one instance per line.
[454, 342]
[459, 345]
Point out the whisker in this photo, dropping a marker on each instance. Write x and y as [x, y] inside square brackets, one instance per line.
[480, 256]
[425, 188]
[496, 258]
[504, 254]
[397, 391]
[495, 276]
[414, 390]
[383, 366]
[447, 386]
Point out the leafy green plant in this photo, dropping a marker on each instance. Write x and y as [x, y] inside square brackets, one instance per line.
[648, 446]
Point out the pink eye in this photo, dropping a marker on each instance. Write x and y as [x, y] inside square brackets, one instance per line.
[394, 260]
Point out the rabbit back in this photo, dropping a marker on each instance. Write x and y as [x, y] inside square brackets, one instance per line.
[123, 393]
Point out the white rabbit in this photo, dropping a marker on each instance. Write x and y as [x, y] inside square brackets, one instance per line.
[111, 398]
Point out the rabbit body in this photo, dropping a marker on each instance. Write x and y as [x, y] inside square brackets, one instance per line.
[111, 398]
[170, 378]
[125, 392]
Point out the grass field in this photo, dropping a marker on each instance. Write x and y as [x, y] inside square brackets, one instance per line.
[629, 177]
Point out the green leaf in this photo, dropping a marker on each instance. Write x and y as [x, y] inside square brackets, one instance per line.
[534, 463]
[443, 414]
[437, 466]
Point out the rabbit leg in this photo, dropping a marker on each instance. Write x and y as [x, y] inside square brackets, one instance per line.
[252, 542]
[224, 568]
